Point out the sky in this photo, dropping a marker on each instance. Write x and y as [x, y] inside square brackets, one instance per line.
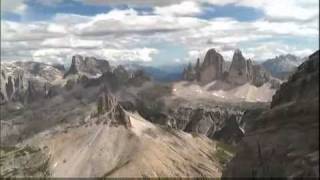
[156, 32]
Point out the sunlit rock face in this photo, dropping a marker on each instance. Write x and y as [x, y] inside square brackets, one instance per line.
[212, 67]
[240, 71]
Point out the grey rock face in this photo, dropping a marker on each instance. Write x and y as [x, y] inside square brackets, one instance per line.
[284, 140]
[213, 122]
[241, 70]
[121, 74]
[32, 94]
[302, 84]
[15, 78]
[259, 75]
[212, 67]
[110, 111]
[138, 77]
[190, 73]
[9, 87]
[88, 66]
[282, 66]
[197, 69]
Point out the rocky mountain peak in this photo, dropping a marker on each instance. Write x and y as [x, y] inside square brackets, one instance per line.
[302, 85]
[121, 73]
[282, 66]
[190, 73]
[240, 71]
[286, 133]
[212, 67]
[89, 66]
[110, 111]
[237, 52]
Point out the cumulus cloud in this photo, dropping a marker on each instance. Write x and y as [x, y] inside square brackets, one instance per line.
[115, 55]
[15, 31]
[126, 35]
[13, 6]
[132, 2]
[284, 10]
[186, 8]
[124, 22]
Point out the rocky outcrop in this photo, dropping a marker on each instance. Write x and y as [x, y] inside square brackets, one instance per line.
[16, 77]
[138, 78]
[32, 93]
[110, 111]
[121, 74]
[212, 67]
[241, 70]
[9, 87]
[259, 75]
[283, 141]
[215, 122]
[89, 66]
[303, 84]
[208, 121]
[282, 66]
[190, 73]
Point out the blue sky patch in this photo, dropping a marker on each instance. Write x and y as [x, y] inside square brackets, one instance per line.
[239, 13]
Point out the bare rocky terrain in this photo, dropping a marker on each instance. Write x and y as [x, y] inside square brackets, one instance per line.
[96, 120]
[87, 129]
[283, 141]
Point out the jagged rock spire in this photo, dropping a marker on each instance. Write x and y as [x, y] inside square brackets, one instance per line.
[110, 111]
[240, 71]
[212, 67]
[90, 66]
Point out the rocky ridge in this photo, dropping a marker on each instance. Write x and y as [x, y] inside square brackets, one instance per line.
[19, 80]
[89, 66]
[283, 141]
[241, 71]
[282, 66]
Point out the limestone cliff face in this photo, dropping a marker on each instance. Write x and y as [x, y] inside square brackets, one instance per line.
[89, 66]
[259, 75]
[18, 78]
[190, 73]
[211, 122]
[212, 67]
[302, 85]
[110, 111]
[240, 71]
[283, 141]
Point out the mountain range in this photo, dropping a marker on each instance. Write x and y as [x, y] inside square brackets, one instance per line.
[98, 120]
[282, 66]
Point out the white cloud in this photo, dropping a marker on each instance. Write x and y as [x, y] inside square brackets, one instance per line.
[138, 54]
[13, 6]
[272, 49]
[284, 10]
[132, 2]
[72, 42]
[126, 35]
[129, 22]
[115, 55]
[186, 8]
[15, 31]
